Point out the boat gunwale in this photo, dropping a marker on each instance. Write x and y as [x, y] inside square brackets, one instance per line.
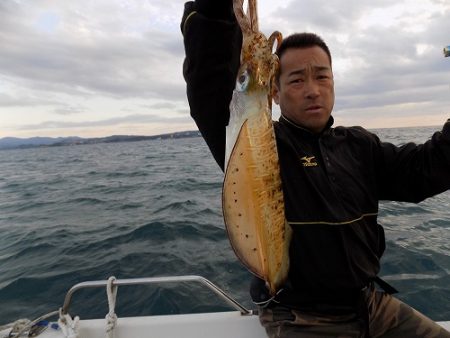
[155, 280]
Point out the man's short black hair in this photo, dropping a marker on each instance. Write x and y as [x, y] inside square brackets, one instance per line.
[302, 40]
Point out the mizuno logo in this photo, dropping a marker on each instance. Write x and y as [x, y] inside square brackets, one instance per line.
[309, 161]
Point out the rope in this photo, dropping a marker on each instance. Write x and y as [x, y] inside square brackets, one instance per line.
[17, 327]
[111, 317]
[69, 326]
[21, 325]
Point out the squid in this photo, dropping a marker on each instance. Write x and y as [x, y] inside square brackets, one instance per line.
[252, 196]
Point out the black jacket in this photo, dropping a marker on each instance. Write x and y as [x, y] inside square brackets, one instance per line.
[332, 182]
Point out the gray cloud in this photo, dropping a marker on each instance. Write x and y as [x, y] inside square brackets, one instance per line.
[70, 58]
[133, 118]
[69, 110]
[121, 68]
[384, 65]
[7, 100]
[325, 16]
[117, 64]
[184, 111]
[161, 105]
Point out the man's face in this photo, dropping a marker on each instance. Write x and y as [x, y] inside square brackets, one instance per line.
[305, 91]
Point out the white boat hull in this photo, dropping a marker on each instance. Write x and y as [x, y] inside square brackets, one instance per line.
[218, 325]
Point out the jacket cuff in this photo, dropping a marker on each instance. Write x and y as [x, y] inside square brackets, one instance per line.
[189, 11]
[215, 10]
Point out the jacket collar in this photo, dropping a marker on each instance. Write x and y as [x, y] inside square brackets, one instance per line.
[289, 123]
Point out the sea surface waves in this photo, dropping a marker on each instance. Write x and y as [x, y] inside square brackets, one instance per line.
[153, 208]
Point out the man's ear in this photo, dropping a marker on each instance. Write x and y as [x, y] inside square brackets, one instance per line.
[276, 93]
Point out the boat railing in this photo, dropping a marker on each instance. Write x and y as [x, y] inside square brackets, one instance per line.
[155, 280]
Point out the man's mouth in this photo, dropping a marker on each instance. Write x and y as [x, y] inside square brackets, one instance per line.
[313, 108]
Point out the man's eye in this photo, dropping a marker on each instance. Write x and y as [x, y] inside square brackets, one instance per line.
[322, 77]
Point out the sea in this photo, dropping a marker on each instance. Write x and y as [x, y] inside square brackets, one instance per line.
[153, 208]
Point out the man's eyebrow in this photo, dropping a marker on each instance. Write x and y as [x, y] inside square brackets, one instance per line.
[303, 70]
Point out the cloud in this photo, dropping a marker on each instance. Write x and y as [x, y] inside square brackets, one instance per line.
[119, 68]
[382, 63]
[7, 100]
[128, 119]
[84, 58]
[69, 110]
[161, 105]
[65, 60]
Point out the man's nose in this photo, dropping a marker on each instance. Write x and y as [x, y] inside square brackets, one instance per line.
[311, 89]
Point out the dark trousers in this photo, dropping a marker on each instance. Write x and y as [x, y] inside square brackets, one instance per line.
[387, 318]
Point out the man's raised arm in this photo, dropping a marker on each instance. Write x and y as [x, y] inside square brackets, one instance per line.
[212, 41]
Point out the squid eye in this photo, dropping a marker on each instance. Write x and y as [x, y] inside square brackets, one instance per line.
[242, 81]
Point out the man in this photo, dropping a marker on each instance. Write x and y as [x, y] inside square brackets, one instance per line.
[332, 181]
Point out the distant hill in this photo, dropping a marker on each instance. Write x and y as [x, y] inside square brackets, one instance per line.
[14, 142]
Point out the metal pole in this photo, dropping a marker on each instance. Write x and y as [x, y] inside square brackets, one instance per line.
[155, 280]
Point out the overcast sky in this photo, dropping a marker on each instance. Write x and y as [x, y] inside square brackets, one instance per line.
[104, 67]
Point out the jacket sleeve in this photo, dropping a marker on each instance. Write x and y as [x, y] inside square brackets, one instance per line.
[412, 173]
[212, 46]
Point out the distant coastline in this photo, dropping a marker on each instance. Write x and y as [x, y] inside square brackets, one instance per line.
[7, 143]
[33, 142]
